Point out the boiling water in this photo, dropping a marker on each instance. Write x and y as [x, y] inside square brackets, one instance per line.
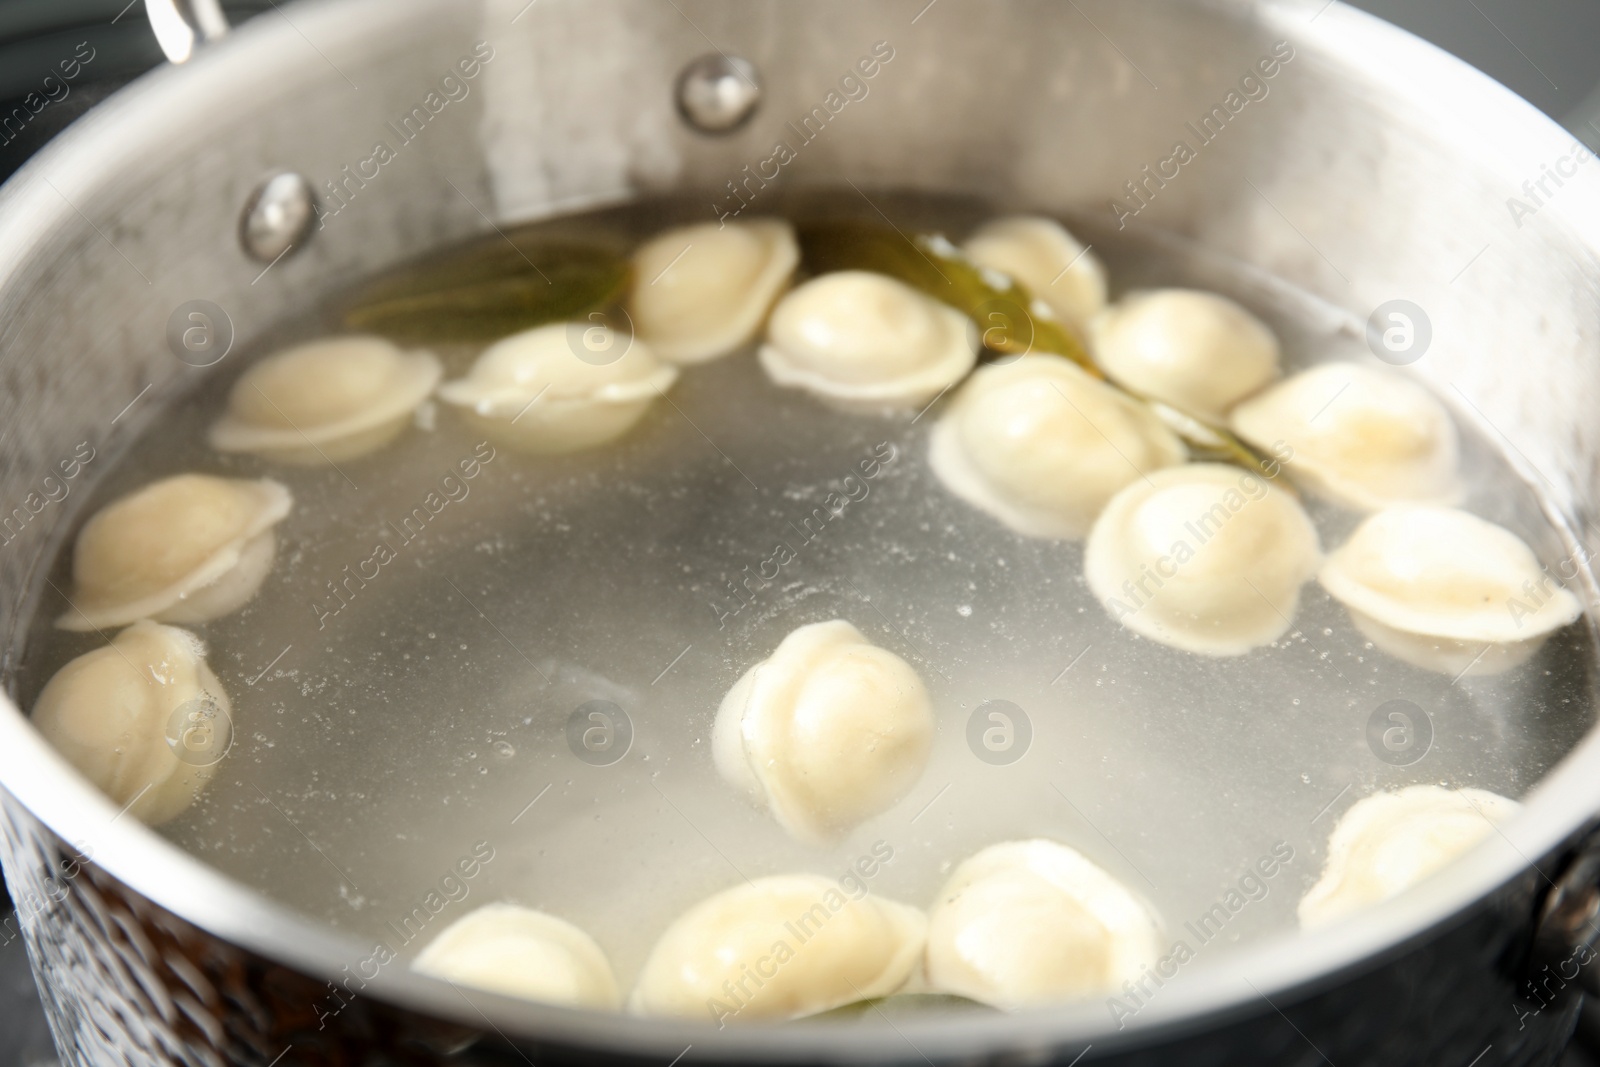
[421, 716]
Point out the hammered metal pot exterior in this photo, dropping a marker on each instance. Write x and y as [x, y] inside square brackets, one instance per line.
[147, 957]
[127, 982]
[124, 981]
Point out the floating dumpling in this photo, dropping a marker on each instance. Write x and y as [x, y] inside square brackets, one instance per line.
[867, 342]
[1205, 557]
[1047, 260]
[143, 718]
[779, 948]
[827, 732]
[701, 291]
[1026, 923]
[325, 401]
[522, 953]
[560, 388]
[1042, 446]
[189, 549]
[1362, 437]
[1199, 352]
[1389, 842]
[1447, 591]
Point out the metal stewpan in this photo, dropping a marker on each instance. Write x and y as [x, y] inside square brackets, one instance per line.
[1373, 152]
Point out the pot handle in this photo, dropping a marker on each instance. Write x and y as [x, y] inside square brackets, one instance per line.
[1568, 936]
[182, 26]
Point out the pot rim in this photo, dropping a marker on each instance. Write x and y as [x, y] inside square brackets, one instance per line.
[1465, 104]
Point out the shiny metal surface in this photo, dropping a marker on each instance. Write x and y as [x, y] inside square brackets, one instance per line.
[182, 26]
[1567, 940]
[1376, 168]
[718, 93]
[277, 216]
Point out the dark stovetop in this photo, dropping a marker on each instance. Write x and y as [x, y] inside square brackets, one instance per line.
[24, 1037]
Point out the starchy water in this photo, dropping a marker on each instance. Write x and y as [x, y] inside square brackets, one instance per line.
[395, 717]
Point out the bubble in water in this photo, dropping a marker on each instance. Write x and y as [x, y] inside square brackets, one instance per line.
[965, 611]
[504, 749]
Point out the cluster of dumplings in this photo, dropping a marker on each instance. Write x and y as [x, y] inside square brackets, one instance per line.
[143, 716]
[825, 733]
[831, 730]
[1211, 558]
[788, 946]
[1203, 557]
[1020, 924]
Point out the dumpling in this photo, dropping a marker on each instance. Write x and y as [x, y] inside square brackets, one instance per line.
[1042, 446]
[1389, 842]
[1025, 923]
[1205, 557]
[827, 732]
[1047, 260]
[701, 291]
[143, 718]
[867, 342]
[1362, 437]
[1447, 591]
[1199, 352]
[189, 549]
[522, 953]
[325, 401]
[532, 392]
[778, 948]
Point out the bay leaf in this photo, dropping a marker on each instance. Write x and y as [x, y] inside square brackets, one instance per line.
[488, 289]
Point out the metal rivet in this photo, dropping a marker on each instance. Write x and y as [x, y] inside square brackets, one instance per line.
[277, 216]
[718, 93]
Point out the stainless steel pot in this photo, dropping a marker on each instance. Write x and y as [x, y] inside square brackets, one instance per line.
[1376, 169]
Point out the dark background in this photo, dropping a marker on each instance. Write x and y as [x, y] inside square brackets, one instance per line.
[1547, 51]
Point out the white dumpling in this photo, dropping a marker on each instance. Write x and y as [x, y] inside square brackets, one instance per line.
[1205, 557]
[1025, 923]
[867, 342]
[531, 391]
[1447, 591]
[1042, 446]
[522, 953]
[1389, 842]
[188, 549]
[1364, 438]
[325, 401]
[1050, 263]
[143, 718]
[1200, 352]
[701, 291]
[827, 732]
[779, 948]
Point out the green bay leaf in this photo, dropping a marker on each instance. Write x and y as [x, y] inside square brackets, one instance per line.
[489, 288]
